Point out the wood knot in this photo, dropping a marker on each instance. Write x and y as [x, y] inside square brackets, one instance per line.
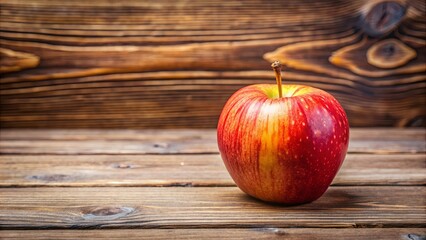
[412, 236]
[381, 18]
[122, 165]
[390, 53]
[106, 213]
[276, 231]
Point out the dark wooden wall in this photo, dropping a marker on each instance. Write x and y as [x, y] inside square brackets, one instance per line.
[149, 64]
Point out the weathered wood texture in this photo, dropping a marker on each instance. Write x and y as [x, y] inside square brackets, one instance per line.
[177, 207]
[233, 234]
[186, 170]
[164, 64]
[375, 196]
[398, 158]
[375, 141]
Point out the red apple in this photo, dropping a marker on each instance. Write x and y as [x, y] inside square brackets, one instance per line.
[283, 149]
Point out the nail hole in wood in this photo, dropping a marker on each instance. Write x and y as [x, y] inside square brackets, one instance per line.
[161, 145]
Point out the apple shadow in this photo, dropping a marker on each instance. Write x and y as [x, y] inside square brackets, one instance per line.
[336, 198]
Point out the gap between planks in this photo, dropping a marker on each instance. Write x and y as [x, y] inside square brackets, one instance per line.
[224, 233]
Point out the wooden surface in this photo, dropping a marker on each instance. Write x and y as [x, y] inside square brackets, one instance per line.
[21, 141]
[211, 207]
[55, 194]
[188, 170]
[162, 64]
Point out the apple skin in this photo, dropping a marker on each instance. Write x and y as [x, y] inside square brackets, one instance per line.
[284, 150]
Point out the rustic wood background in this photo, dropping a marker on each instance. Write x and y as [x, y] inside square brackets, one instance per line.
[156, 64]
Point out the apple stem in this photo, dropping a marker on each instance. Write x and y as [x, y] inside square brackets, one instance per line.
[277, 69]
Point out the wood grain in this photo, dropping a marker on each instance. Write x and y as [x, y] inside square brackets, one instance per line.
[15, 61]
[139, 135]
[367, 134]
[377, 141]
[376, 196]
[234, 234]
[33, 208]
[156, 64]
[186, 170]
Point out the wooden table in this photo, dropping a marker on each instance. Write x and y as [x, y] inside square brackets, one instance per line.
[133, 184]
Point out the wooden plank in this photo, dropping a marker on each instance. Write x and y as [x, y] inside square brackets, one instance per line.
[386, 134]
[185, 170]
[42, 208]
[181, 142]
[221, 233]
[178, 147]
[132, 64]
